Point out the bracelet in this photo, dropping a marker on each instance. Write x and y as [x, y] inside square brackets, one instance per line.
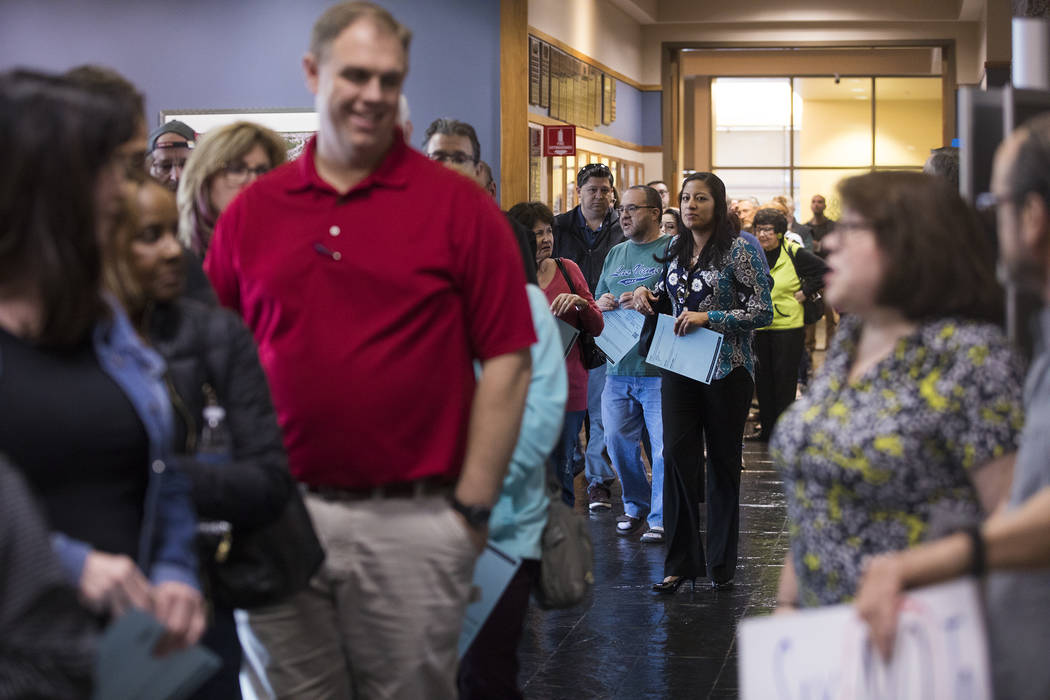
[978, 565]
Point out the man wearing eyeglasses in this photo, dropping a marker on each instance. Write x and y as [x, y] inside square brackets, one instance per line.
[169, 148]
[454, 144]
[631, 400]
[585, 235]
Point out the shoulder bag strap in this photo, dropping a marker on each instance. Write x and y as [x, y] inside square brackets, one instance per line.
[572, 287]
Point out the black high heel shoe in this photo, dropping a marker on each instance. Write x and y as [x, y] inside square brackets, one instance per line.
[673, 583]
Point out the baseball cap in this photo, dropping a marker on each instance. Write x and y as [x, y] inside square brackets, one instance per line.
[173, 127]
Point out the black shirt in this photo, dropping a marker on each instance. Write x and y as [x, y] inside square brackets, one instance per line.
[75, 435]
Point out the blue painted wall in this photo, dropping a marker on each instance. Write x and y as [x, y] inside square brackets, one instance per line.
[215, 54]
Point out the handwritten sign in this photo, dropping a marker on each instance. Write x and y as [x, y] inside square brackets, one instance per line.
[825, 653]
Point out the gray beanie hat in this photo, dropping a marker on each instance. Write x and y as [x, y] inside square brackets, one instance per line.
[173, 127]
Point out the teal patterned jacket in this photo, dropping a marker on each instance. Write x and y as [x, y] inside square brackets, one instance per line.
[734, 291]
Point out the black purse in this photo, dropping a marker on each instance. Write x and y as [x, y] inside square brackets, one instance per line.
[266, 565]
[645, 340]
[591, 354]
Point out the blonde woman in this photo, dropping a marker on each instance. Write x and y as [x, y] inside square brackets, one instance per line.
[225, 161]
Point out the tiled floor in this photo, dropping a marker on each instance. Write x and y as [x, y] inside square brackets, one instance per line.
[628, 642]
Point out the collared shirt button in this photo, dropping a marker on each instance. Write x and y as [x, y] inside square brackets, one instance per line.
[337, 255]
[159, 466]
[334, 230]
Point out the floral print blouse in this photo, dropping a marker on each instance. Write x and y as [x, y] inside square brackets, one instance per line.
[870, 464]
[734, 291]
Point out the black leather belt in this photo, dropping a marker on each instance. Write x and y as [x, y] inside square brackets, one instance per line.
[429, 486]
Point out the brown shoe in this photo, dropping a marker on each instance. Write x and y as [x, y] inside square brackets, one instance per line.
[599, 498]
[628, 525]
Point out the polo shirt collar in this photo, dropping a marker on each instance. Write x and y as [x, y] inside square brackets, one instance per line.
[391, 172]
[581, 221]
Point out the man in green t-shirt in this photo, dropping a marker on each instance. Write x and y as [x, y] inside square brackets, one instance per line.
[631, 398]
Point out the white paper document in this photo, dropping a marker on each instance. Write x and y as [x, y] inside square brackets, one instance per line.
[825, 653]
[621, 332]
[692, 355]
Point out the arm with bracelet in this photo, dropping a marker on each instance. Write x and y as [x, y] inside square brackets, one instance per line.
[1017, 539]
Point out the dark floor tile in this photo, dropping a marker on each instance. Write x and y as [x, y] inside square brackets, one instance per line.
[671, 677]
[625, 641]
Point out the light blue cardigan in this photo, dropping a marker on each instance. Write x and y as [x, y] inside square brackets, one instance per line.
[520, 514]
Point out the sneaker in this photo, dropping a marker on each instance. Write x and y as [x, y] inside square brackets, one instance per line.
[654, 535]
[599, 497]
[627, 525]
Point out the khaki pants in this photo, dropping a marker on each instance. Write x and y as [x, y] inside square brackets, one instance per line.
[382, 617]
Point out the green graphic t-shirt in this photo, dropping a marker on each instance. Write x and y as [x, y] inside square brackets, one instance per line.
[627, 267]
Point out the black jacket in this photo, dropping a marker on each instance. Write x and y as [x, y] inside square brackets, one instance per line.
[210, 346]
[570, 241]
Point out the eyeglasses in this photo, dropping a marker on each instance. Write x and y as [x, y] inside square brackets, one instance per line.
[164, 166]
[457, 158]
[630, 209]
[593, 170]
[765, 229]
[851, 228]
[239, 173]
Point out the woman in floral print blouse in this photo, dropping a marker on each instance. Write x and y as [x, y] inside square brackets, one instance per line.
[714, 278]
[911, 425]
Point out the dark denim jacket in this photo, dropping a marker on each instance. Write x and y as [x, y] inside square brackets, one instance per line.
[166, 541]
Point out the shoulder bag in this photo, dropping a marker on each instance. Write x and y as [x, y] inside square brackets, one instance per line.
[591, 355]
[566, 556]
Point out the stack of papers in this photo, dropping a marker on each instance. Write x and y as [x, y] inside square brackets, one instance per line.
[693, 355]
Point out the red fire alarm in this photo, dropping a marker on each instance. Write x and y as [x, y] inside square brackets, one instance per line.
[559, 140]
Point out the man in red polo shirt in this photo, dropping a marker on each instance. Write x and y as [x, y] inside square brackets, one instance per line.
[368, 339]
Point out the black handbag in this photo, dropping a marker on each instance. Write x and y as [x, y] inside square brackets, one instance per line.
[645, 340]
[812, 309]
[590, 353]
[266, 565]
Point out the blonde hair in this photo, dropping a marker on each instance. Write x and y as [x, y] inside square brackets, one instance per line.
[215, 149]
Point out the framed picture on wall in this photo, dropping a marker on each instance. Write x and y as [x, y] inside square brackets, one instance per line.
[295, 125]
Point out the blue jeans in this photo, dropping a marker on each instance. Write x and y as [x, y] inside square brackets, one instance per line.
[564, 451]
[597, 469]
[628, 403]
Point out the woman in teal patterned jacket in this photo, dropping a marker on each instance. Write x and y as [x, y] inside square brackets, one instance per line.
[914, 418]
[714, 278]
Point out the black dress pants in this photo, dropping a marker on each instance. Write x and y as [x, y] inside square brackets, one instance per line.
[777, 357]
[694, 412]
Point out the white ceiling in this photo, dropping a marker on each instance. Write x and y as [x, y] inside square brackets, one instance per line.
[668, 11]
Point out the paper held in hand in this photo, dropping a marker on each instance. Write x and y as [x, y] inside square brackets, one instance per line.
[692, 355]
[622, 329]
[568, 335]
[940, 653]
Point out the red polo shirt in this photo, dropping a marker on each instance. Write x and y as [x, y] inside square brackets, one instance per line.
[369, 309]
